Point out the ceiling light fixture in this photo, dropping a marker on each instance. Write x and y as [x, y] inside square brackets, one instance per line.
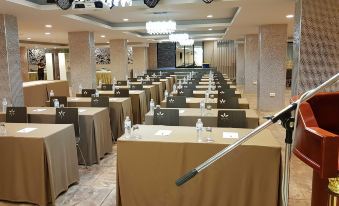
[161, 27]
[125, 19]
[187, 42]
[210, 16]
[178, 37]
[151, 3]
[289, 16]
[48, 26]
[29, 38]
[47, 33]
[123, 3]
[210, 29]
[207, 1]
[102, 36]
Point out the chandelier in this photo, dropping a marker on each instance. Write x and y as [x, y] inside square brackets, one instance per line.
[187, 42]
[161, 27]
[122, 2]
[178, 37]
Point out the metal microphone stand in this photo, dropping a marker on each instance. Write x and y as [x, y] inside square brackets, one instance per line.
[288, 122]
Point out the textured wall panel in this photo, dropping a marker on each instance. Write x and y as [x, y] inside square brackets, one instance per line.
[10, 70]
[152, 56]
[82, 60]
[251, 62]
[272, 70]
[119, 58]
[24, 63]
[166, 55]
[102, 56]
[140, 60]
[240, 58]
[316, 37]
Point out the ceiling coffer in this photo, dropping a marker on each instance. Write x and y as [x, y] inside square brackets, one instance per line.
[151, 3]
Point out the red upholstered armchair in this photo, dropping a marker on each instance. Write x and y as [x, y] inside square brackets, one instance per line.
[317, 141]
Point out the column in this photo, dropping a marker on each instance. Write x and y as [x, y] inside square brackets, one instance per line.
[272, 67]
[315, 53]
[240, 65]
[24, 64]
[10, 70]
[152, 56]
[119, 58]
[140, 60]
[251, 62]
[82, 60]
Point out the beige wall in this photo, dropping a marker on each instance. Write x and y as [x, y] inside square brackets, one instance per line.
[152, 56]
[24, 63]
[208, 52]
[140, 60]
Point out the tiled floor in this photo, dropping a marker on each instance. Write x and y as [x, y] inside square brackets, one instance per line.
[97, 184]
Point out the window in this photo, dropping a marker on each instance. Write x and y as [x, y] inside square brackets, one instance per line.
[189, 56]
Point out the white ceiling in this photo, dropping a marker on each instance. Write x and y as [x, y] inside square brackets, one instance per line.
[238, 17]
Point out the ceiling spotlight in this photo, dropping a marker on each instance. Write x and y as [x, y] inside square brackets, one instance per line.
[151, 3]
[47, 33]
[102, 36]
[289, 16]
[48, 26]
[210, 16]
[29, 38]
[125, 19]
[210, 29]
[207, 1]
[107, 42]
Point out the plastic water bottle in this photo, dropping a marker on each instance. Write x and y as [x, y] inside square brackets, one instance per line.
[180, 85]
[96, 93]
[128, 83]
[56, 103]
[80, 88]
[128, 127]
[166, 94]
[151, 106]
[4, 104]
[207, 95]
[113, 88]
[51, 93]
[202, 107]
[174, 88]
[114, 80]
[199, 126]
[100, 83]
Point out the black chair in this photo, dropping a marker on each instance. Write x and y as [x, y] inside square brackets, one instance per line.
[225, 102]
[189, 86]
[133, 79]
[16, 115]
[168, 117]
[153, 79]
[87, 92]
[122, 83]
[176, 102]
[235, 119]
[121, 93]
[107, 87]
[185, 92]
[136, 87]
[226, 92]
[147, 82]
[70, 116]
[61, 99]
[100, 101]
[222, 86]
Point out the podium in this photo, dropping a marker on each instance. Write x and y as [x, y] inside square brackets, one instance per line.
[316, 144]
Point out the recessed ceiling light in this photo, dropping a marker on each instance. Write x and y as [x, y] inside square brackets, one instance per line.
[125, 19]
[47, 33]
[48, 26]
[289, 16]
[210, 29]
[107, 42]
[29, 38]
[102, 36]
[210, 16]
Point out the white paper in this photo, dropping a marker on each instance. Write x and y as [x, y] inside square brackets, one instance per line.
[111, 99]
[188, 100]
[27, 130]
[163, 132]
[181, 111]
[74, 99]
[39, 110]
[230, 135]
[81, 110]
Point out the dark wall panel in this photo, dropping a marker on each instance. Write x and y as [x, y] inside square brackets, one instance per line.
[166, 55]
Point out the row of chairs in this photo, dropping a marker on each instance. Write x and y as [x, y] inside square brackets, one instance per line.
[221, 92]
[223, 102]
[226, 118]
[117, 92]
[102, 101]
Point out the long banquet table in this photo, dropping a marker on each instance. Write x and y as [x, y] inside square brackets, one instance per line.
[37, 166]
[205, 87]
[189, 116]
[193, 102]
[148, 167]
[201, 93]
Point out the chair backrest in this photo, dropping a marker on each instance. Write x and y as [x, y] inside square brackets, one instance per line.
[133, 79]
[189, 86]
[222, 86]
[87, 92]
[68, 116]
[102, 101]
[225, 102]
[147, 82]
[121, 92]
[16, 115]
[176, 102]
[122, 83]
[155, 79]
[169, 117]
[226, 92]
[136, 87]
[185, 92]
[61, 99]
[107, 87]
[235, 119]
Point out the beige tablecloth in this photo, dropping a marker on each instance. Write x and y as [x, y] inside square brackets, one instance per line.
[193, 102]
[104, 76]
[36, 92]
[189, 116]
[120, 108]
[151, 92]
[148, 168]
[205, 87]
[168, 84]
[206, 83]
[201, 93]
[37, 166]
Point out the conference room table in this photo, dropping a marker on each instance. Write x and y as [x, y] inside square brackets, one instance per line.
[189, 116]
[150, 90]
[201, 93]
[166, 84]
[36, 92]
[38, 162]
[160, 89]
[203, 79]
[213, 83]
[192, 102]
[139, 103]
[120, 108]
[205, 87]
[148, 167]
[94, 126]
